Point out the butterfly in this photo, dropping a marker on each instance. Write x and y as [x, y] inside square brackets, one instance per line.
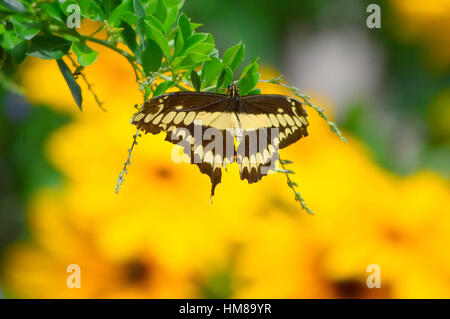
[216, 130]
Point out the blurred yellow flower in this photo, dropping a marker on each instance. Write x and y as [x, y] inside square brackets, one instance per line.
[38, 269]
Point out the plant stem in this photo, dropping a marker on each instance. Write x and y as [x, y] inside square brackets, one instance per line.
[162, 76]
[89, 85]
[292, 185]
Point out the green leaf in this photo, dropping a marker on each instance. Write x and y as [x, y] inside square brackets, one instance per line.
[225, 78]
[25, 28]
[97, 7]
[13, 5]
[53, 11]
[195, 25]
[70, 37]
[91, 9]
[2, 28]
[163, 87]
[214, 52]
[138, 8]
[209, 39]
[254, 92]
[64, 6]
[15, 46]
[108, 6]
[174, 3]
[130, 18]
[147, 91]
[247, 84]
[140, 28]
[249, 67]
[158, 37]
[119, 11]
[195, 79]
[233, 56]
[161, 11]
[204, 48]
[210, 71]
[49, 47]
[249, 78]
[70, 80]
[193, 40]
[179, 42]
[172, 14]
[155, 22]
[151, 57]
[85, 55]
[129, 37]
[185, 26]
[190, 61]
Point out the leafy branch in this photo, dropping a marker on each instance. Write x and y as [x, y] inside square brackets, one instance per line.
[293, 184]
[79, 71]
[127, 163]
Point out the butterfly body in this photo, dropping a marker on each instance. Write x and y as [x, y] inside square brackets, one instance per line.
[215, 130]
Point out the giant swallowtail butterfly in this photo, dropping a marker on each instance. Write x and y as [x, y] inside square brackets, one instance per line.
[218, 129]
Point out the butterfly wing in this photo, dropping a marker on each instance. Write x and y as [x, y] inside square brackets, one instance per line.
[207, 124]
[198, 121]
[277, 121]
[178, 109]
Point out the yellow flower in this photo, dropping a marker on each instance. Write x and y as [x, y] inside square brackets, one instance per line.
[38, 269]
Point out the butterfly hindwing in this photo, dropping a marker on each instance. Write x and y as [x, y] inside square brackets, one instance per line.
[272, 122]
[277, 111]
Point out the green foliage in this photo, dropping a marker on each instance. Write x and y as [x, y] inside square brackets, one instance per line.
[163, 87]
[195, 79]
[234, 56]
[151, 57]
[70, 80]
[85, 55]
[162, 40]
[15, 46]
[49, 47]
